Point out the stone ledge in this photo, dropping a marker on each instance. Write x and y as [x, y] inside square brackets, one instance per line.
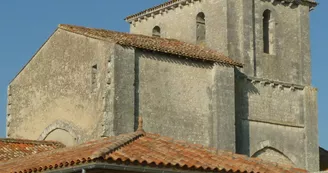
[273, 83]
[310, 3]
[274, 123]
[160, 9]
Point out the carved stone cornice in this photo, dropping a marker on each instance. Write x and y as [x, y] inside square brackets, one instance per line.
[278, 84]
[173, 4]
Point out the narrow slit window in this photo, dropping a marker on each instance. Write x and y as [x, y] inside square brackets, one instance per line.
[94, 73]
[200, 28]
[156, 31]
[268, 32]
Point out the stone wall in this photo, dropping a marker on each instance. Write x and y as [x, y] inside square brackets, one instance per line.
[186, 99]
[235, 28]
[180, 23]
[271, 101]
[289, 60]
[62, 87]
[274, 120]
[123, 100]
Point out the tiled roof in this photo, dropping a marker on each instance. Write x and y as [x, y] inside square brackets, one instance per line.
[16, 148]
[143, 149]
[176, 3]
[164, 45]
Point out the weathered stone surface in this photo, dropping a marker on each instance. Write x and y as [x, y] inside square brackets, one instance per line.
[273, 155]
[56, 85]
[84, 88]
[286, 63]
[258, 99]
[276, 103]
[277, 116]
[235, 28]
[175, 97]
[311, 128]
[172, 26]
[124, 90]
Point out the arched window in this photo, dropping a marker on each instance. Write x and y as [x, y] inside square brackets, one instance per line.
[268, 32]
[273, 155]
[201, 28]
[156, 31]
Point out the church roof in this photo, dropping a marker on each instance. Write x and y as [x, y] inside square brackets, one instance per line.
[177, 3]
[164, 45]
[140, 150]
[16, 148]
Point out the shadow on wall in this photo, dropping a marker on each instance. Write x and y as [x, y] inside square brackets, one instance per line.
[175, 60]
[265, 150]
[242, 90]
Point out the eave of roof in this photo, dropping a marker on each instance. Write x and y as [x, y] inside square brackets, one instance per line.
[16, 148]
[32, 142]
[143, 149]
[163, 45]
[171, 4]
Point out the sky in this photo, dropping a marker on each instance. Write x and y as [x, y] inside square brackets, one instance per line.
[26, 25]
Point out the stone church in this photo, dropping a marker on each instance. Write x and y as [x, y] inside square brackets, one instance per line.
[230, 74]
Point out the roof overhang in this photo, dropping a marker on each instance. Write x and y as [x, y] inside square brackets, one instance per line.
[117, 167]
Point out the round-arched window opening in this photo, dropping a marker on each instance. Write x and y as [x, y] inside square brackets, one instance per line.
[269, 25]
[156, 31]
[200, 28]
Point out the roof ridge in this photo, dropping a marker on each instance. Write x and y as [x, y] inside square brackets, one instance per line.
[122, 142]
[29, 141]
[162, 45]
[68, 27]
[117, 145]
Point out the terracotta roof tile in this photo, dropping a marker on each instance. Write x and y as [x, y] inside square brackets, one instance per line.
[15, 148]
[163, 45]
[311, 3]
[143, 148]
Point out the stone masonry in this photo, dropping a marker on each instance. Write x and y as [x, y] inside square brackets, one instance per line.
[80, 86]
[275, 103]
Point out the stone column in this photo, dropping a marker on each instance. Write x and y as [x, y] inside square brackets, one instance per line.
[311, 129]
[223, 101]
[124, 90]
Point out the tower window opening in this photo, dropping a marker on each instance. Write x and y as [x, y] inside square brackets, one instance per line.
[156, 31]
[200, 28]
[268, 32]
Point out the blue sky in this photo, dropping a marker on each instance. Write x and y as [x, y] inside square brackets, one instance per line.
[25, 26]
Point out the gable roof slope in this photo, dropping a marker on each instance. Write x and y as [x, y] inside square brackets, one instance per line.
[140, 149]
[17, 148]
[163, 45]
